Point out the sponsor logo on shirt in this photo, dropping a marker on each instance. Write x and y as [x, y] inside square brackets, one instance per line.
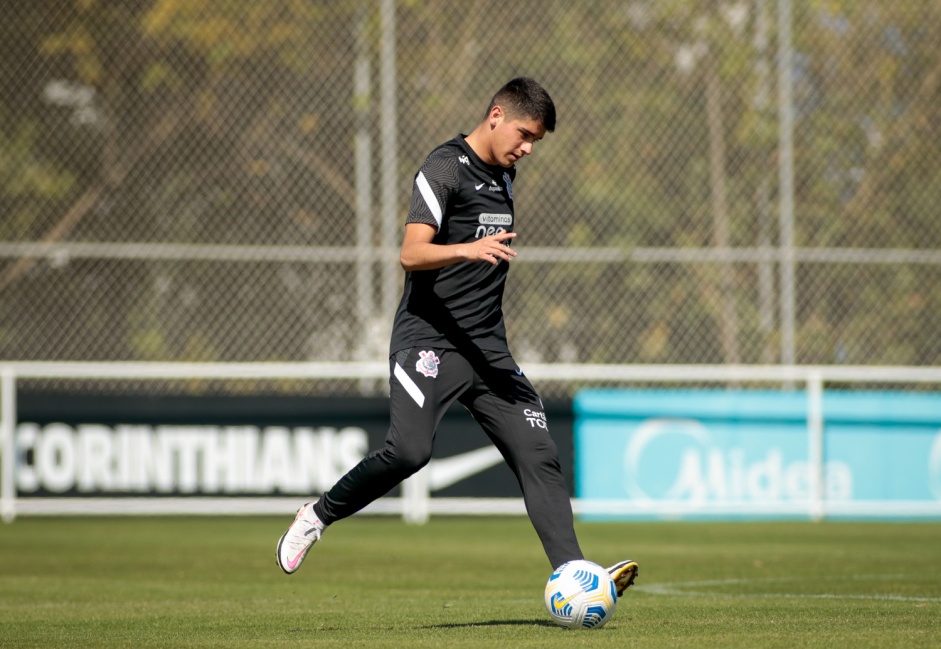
[495, 219]
[493, 224]
[535, 418]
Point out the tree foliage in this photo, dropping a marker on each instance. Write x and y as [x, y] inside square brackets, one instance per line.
[210, 123]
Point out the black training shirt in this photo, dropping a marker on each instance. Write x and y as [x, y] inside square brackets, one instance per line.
[464, 199]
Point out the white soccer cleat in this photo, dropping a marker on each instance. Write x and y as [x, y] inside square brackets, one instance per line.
[623, 573]
[300, 536]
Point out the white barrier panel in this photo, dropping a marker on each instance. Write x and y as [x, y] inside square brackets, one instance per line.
[416, 503]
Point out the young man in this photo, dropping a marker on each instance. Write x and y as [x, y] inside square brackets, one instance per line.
[449, 341]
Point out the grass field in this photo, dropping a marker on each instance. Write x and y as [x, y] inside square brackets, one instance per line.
[213, 582]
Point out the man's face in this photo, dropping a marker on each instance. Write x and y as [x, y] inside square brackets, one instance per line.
[511, 139]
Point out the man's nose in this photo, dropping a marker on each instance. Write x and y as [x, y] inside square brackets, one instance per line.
[527, 148]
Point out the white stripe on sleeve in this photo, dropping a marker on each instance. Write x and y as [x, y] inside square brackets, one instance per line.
[428, 194]
[410, 386]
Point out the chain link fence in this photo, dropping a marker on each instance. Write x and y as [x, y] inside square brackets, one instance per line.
[740, 181]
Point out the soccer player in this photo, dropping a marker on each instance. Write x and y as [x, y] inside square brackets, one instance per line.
[448, 338]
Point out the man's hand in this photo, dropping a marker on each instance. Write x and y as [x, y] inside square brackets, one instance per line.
[491, 248]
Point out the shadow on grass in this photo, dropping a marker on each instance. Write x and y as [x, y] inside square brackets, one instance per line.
[471, 625]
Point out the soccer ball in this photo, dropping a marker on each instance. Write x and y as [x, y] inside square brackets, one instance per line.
[581, 595]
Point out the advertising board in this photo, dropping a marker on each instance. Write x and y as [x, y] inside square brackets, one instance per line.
[736, 453]
[245, 446]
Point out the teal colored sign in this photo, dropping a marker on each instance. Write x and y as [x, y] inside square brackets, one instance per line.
[732, 453]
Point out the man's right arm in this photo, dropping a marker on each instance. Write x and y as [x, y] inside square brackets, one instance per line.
[419, 253]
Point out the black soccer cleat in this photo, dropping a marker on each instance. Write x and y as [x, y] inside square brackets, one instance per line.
[623, 573]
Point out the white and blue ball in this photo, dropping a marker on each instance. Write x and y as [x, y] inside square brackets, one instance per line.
[581, 595]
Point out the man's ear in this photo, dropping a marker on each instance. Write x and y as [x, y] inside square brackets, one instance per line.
[495, 116]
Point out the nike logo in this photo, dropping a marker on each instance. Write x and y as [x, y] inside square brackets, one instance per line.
[293, 564]
[560, 604]
[477, 187]
[448, 471]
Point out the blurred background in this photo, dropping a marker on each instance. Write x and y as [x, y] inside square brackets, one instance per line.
[730, 182]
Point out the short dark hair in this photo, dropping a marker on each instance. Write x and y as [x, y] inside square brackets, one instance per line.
[524, 98]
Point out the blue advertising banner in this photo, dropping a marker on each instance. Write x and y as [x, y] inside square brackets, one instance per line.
[741, 453]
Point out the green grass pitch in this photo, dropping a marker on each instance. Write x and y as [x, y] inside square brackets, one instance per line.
[462, 582]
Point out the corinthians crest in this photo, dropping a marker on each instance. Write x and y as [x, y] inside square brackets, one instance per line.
[427, 364]
[509, 184]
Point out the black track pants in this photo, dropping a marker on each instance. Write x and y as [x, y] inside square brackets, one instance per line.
[424, 382]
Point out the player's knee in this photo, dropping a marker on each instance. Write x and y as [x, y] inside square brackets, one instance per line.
[544, 454]
[409, 458]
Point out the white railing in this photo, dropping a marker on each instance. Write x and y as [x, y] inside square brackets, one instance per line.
[416, 503]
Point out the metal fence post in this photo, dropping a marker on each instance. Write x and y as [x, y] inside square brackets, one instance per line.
[815, 459]
[416, 498]
[786, 179]
[8, 443]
